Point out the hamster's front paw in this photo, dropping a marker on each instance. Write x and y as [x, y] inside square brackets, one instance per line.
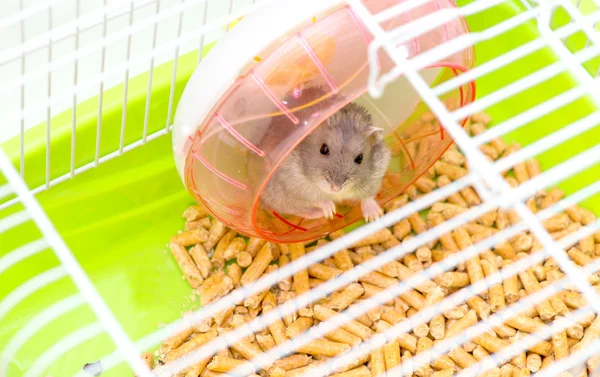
[370, 209]
[312, 213]
[328, 209]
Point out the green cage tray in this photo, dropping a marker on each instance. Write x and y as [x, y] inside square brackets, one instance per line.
[117, 218]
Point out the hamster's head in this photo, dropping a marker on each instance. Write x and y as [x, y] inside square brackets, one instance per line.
[346, 155]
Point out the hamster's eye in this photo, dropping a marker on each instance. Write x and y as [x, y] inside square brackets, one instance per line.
[324, 149]
[359, 159]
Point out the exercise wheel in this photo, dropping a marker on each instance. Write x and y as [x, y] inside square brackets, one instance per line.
[260, 71]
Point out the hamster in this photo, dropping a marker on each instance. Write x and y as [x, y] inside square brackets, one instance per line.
[344, 159]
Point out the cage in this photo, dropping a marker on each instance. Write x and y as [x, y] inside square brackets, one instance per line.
[90, 195]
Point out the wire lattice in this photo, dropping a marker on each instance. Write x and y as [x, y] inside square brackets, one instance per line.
[115, 40]
[484, 175]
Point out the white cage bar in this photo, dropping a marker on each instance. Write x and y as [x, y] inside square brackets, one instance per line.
[485, 176]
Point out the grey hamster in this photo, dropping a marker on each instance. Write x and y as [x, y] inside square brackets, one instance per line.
[344, 159]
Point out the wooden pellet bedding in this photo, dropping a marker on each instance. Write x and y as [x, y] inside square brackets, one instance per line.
[215, 260]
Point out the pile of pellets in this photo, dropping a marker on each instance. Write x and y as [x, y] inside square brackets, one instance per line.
[215, 260]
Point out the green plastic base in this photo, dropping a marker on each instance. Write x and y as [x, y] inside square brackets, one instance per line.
[117, 218]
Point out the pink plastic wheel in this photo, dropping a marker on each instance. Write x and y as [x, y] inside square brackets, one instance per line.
[213, 146]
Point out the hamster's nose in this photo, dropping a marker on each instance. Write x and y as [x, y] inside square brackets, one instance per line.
[335, 188]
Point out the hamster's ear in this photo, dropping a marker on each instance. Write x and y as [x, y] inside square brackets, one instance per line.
[375, 134]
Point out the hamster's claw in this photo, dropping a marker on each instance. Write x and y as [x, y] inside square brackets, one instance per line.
[328, 209]
[370, 209]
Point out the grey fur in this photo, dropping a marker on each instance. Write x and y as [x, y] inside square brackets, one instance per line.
[300, 184]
